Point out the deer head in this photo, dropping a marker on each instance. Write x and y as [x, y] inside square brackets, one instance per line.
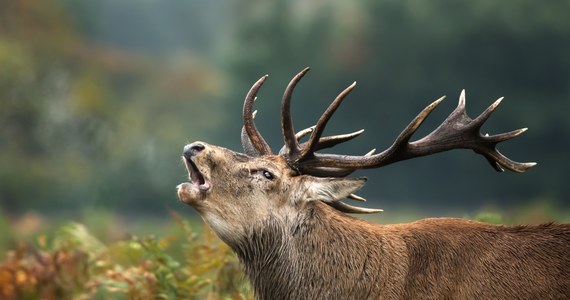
[236, 192]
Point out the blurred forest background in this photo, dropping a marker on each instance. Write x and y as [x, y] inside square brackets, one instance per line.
[97, 98]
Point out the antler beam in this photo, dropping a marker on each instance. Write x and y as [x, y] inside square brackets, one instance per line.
[457, 131]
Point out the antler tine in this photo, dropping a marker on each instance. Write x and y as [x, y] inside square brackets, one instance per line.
[346, 208]
[252, 141]
[482, 118]
[498, 160]
[407, 133]
[325, 142]
[356, 197]
[291, 143]
[304, 132]
[505, 136]
[457, 131]
[331, 141]
[313, 142]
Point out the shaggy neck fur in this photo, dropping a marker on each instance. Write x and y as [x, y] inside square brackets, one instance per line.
[323, 254]
[306, 257]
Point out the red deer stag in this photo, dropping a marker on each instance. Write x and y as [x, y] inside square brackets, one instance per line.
[284, 217]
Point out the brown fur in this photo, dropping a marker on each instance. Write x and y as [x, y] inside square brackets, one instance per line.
[332, 256]
[294, 246]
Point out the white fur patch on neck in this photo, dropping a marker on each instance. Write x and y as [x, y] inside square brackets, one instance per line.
[222, 227]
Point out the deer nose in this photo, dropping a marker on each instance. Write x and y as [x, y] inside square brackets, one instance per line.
[193, 149]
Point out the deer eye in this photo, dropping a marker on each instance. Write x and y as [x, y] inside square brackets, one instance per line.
[267, 174]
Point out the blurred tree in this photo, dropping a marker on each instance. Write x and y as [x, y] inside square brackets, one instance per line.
[97, 98]
[82, 122]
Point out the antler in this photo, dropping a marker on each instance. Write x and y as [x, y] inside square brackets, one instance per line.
[457, 131]
[253, 143]
[295, 153]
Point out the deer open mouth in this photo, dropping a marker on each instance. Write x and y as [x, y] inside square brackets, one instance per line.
[196, 177]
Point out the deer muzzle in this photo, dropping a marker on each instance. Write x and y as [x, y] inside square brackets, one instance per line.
[198, 185]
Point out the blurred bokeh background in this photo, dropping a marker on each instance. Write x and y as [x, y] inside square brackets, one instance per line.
[97, 98]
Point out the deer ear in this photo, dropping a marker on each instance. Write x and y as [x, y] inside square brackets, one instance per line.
[330, 189]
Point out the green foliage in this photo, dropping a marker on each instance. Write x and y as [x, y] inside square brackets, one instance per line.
[76, 265]
[83, 122]
[182, 262]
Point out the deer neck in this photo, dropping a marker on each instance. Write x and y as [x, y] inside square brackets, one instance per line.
[287, 258]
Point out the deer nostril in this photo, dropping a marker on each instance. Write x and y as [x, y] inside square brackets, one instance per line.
[193, 149]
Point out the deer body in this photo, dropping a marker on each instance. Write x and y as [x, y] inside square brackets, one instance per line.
[338, 257]
[284, 217]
